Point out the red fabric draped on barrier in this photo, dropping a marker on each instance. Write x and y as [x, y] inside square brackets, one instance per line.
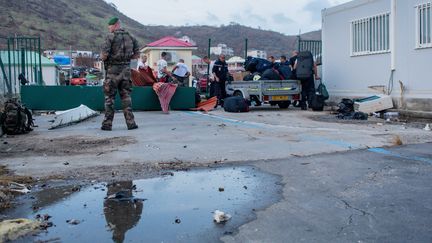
[165, 92]
[143, 77]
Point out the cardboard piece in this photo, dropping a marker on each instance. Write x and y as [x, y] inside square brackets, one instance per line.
[373, 104]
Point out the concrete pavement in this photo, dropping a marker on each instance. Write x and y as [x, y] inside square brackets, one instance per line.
[356, 196]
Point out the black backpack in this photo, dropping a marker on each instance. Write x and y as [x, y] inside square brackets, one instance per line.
[236, 104]
[16, 119]
[305, 64]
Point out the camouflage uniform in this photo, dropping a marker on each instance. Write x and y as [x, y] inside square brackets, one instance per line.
[119, 48]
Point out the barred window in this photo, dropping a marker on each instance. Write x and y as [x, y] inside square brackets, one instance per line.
[424, 25]
[370, 35]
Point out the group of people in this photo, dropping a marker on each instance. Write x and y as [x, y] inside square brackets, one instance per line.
[219, 74]
[308, 84]
[120, 48]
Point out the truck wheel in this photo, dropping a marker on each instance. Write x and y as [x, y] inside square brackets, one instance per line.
[284, 104]
[238, 93]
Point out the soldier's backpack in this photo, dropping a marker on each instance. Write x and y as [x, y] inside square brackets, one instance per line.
[305, 64]
[15, 119]
[236, 104]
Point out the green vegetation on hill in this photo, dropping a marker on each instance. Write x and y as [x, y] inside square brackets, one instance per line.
[82, 25]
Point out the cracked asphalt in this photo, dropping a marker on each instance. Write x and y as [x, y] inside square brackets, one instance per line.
[355, 196]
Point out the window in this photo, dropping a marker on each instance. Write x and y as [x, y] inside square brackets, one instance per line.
[370, 35]
[424, 25]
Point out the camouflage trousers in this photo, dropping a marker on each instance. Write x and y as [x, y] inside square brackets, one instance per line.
[118, 79]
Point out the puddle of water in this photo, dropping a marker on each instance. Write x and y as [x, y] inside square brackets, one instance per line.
[190, 197]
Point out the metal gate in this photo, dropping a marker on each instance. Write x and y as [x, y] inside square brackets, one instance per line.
[20, 63]
[314, 46]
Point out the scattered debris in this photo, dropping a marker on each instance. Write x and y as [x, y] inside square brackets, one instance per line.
[373, 104]
[245, 187]
[72, 116]
[391, 116]
[221, 189]
[66, 163]
[346, 111]
[220, 217]
[73, 221]
[427, 127]
[222, 125]
[17, 187]
[397, 140]
[169, 173]
[13, 229]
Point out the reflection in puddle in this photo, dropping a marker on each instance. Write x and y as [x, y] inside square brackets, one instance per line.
[177, 208]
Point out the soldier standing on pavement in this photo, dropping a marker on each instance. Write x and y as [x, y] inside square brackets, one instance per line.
[118, 50]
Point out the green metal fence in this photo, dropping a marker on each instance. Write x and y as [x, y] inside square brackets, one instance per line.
[314, 46]
[20, 63]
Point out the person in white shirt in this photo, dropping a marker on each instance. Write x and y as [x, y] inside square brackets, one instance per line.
[181, 72]
[162, 68]
[142, 62]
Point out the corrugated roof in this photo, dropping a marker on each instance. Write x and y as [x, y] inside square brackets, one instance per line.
[30, 55]
[169, 41]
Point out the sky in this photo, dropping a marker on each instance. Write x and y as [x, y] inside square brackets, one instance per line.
[284, 16]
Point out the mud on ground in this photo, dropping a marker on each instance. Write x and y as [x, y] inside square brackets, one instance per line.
[24, 146]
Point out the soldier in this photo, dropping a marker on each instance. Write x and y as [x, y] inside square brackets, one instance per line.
[119, 48]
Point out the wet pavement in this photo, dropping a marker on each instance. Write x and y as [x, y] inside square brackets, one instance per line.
[177, 207]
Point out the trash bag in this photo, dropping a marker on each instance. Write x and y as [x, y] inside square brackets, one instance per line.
[346, 106]
[317, 102]
[236, 104]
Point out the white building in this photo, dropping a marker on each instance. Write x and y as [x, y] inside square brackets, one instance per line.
[384, 43]
[222, 49]
[257, 53]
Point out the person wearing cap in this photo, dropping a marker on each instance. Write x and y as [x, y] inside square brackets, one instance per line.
[220, 74]
[117, 51]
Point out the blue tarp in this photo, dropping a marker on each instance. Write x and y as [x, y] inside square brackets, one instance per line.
[62, 60]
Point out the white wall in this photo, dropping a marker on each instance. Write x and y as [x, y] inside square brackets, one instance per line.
[351, 76]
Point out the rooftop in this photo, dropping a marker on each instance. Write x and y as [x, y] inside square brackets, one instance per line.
[169, 41]
[31, 56]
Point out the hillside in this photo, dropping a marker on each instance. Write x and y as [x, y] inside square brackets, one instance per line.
[82, 25]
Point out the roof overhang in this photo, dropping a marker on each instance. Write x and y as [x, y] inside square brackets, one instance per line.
[168, 48]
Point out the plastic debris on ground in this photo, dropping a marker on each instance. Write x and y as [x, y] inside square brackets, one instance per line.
[207, 105]
[72, 116]
[220, 217]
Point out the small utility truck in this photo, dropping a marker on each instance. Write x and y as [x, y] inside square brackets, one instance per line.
[273, 92]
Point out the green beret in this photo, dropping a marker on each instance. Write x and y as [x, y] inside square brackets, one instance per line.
[113, 21]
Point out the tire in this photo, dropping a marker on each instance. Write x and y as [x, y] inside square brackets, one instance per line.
[284, 104]
[238, 93]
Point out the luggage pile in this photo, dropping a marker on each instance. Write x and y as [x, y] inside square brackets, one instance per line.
[262, 69]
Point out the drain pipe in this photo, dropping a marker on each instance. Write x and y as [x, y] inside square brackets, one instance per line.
[392, 45]
[393, 35]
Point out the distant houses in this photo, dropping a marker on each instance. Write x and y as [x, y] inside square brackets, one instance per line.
[222, 49]
[257, 53]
